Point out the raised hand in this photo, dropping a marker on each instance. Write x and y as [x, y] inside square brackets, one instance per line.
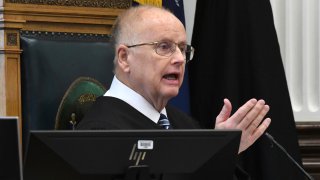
[249, 118]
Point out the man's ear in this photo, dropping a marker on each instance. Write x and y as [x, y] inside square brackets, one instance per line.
[123, 55]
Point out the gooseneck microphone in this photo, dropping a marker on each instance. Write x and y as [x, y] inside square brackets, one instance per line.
[288, 155]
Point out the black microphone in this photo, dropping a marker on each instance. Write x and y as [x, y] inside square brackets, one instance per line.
[288, 155]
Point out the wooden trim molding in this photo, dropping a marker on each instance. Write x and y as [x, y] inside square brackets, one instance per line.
[10, 86]
[309, 142]
[13, 90]
[121, 4]
[61, 18]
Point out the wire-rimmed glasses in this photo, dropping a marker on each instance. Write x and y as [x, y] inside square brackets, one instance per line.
[167, 48]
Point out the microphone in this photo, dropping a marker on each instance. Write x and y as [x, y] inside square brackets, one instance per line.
[288, 155]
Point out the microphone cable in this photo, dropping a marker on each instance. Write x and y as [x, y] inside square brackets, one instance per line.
[288, 155]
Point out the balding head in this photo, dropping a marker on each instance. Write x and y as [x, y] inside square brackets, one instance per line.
[134, 23]
[128, 23]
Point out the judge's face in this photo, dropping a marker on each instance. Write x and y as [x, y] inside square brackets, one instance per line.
[153, 72]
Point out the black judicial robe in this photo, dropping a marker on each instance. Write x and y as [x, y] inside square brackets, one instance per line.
[113, 113]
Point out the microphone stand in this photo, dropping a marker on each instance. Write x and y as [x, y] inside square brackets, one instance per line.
[288, 155]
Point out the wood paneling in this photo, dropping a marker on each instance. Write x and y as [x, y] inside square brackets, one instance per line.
[309, 142]
[13, 99]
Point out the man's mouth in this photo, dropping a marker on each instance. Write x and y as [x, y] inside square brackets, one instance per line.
[171, 76]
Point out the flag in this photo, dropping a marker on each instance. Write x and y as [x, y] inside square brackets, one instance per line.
[157, 3]
[237, 56]
[182, 101]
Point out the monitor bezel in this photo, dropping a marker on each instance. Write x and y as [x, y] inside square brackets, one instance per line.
[40, 139]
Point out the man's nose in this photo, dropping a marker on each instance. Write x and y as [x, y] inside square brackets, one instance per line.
[178, 56]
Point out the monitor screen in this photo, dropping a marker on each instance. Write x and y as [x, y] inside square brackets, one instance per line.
[10, 151]
[132, 154]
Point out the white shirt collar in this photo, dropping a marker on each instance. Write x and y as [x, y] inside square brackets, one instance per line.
[123, 92]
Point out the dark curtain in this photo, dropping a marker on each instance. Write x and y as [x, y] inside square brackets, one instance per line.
[237, 56]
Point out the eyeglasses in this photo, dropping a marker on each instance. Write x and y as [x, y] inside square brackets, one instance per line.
[167, 48]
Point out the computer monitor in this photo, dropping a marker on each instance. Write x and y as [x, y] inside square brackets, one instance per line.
[10, 149]
[132, 154]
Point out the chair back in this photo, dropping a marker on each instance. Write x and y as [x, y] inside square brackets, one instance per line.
[50, 62]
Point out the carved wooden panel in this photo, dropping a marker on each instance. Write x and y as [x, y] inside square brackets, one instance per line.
[53, 18]
[121, 4]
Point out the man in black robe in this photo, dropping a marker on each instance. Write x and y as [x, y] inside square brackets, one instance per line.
[151, 52]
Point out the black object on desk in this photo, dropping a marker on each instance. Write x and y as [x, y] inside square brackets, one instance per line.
[132, 154]
[10, 149]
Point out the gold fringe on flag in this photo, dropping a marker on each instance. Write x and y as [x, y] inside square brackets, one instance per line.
[157, 3]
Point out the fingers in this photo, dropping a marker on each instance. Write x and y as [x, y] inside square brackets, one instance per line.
[256, 122]
[249, 118]
[248, 138]
[241, 114]
[261, 129]
[255, 115]
[225, 111]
